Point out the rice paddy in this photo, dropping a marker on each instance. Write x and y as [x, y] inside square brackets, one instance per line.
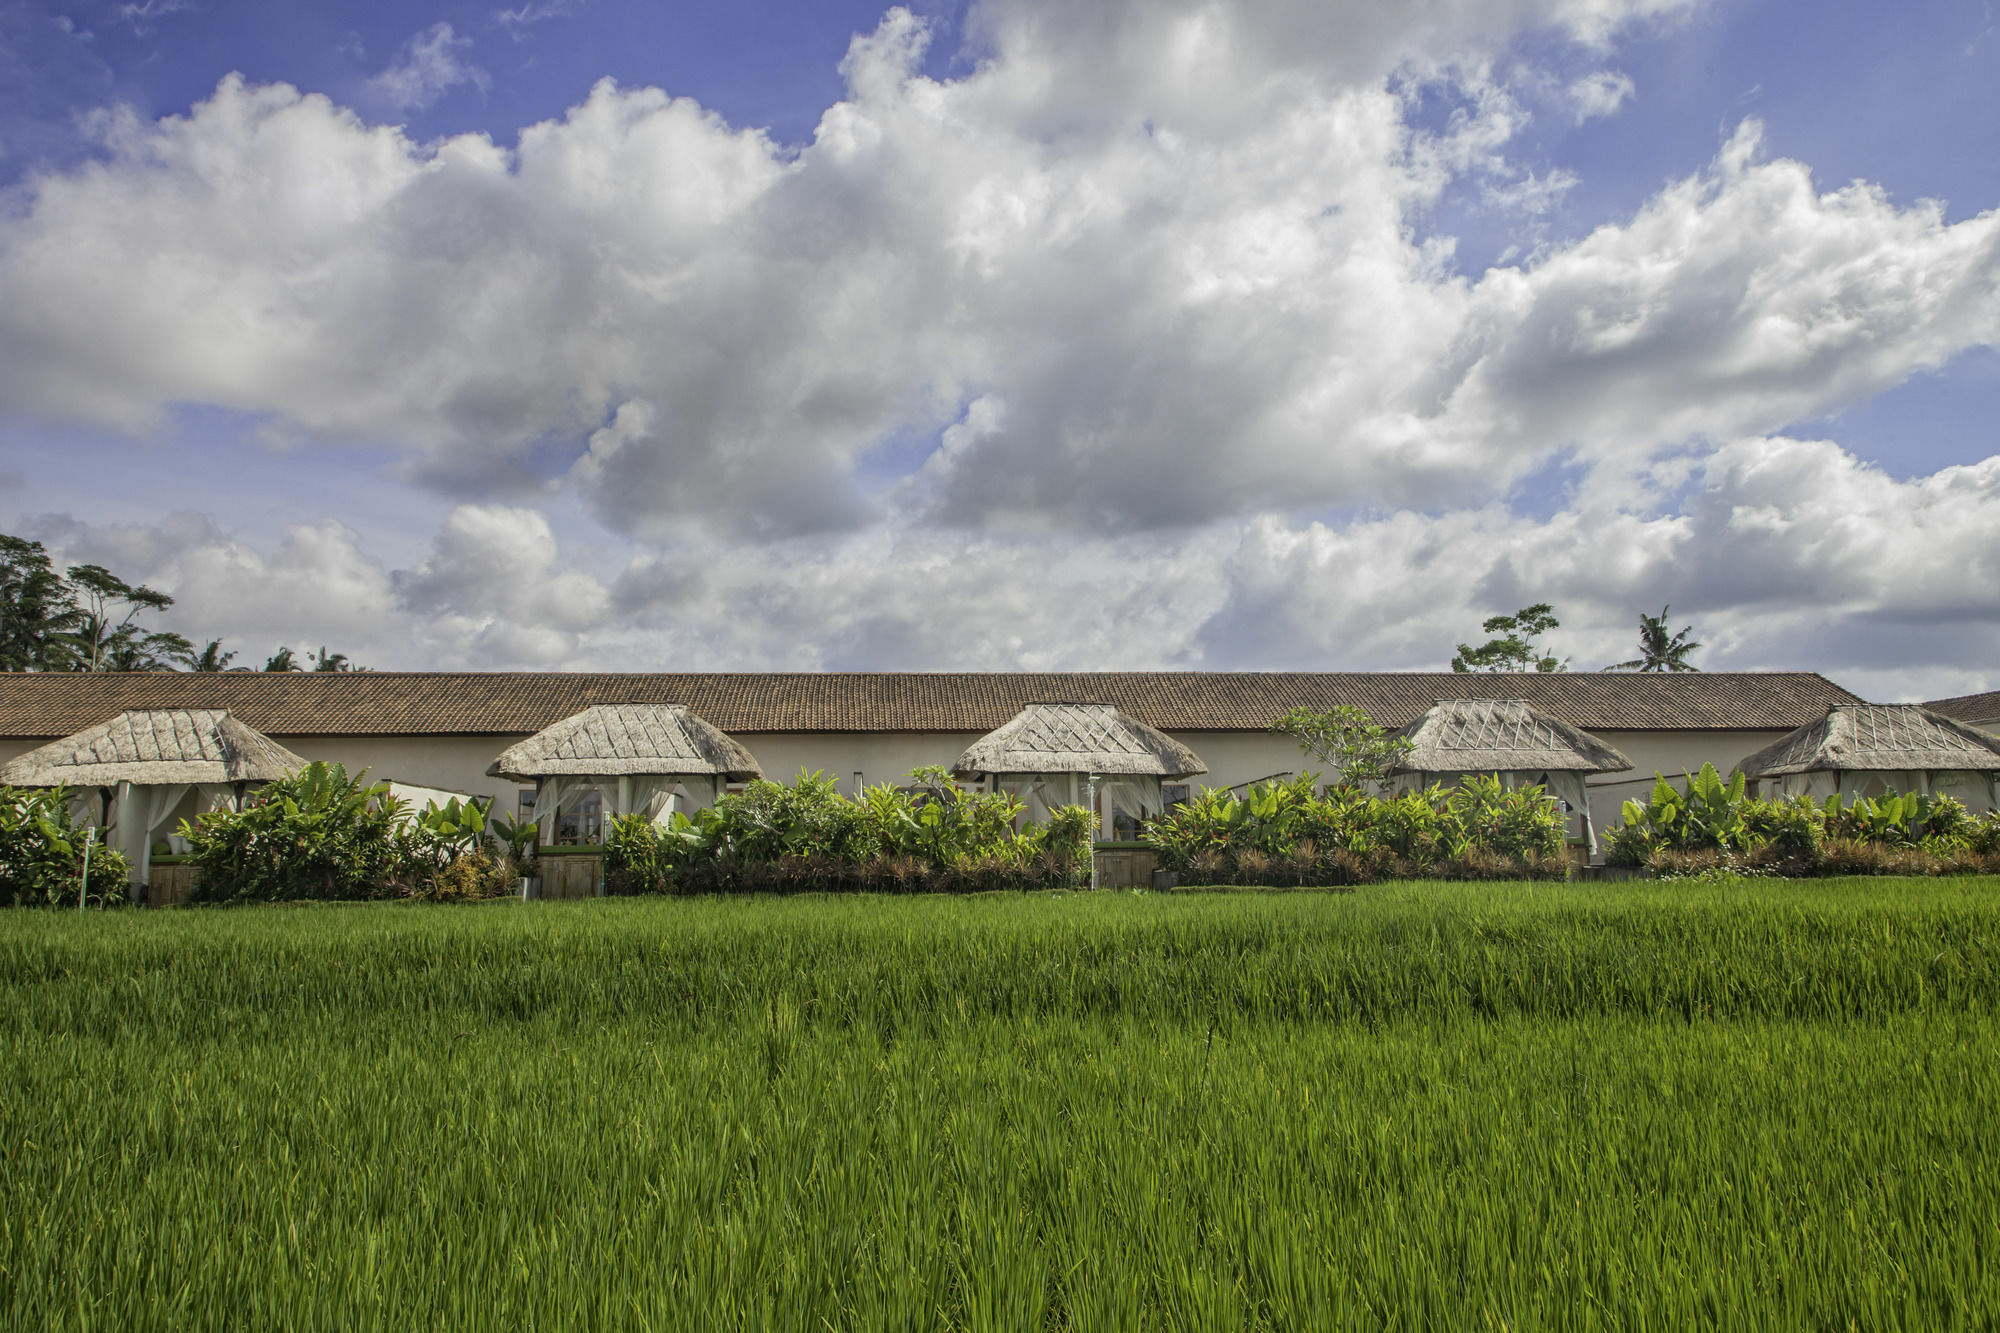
[1743, 1105]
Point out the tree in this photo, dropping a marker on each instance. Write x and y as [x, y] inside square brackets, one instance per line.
[103, 640]
[326, 661]
[37, 609]
[1359, 749]
[1517, 650]
[211, 658]
[282, 660]
[164, 651]
[1659, 651]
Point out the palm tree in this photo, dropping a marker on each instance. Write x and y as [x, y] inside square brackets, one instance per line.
[282, 660]
[211, 658]
[1659, 651]
[326, 661]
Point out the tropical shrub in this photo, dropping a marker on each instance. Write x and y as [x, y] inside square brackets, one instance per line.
[1292, 833]
[41, 853]
[1712, 826]
[772, 837]
[468, 877]
[450, 853]
[316, 833]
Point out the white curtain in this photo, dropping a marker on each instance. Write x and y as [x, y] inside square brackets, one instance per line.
[86, 806]
[1135, 796]
[1973, 790]
[657, 797]
[1570, 787]
[139, 811]
[1818, 785]
[1041, 793]
[551, 795]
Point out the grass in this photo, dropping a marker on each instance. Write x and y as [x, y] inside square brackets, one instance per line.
[1754, 1105]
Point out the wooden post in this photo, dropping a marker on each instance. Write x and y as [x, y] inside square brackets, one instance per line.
[1094, 830]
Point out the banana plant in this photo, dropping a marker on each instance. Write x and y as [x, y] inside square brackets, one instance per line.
[458, 825]
[519, 837]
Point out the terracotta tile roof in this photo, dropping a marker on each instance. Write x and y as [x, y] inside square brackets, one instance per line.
[379, 703]
[1969, 707]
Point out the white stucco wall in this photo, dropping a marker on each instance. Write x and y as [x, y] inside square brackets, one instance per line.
[453, 763]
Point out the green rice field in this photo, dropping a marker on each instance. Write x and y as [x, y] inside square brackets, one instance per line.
[1741, 1105]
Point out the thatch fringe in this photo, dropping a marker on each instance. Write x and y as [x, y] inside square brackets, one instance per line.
[1061, 737]
[1502, 736]
[155, 747]
[1863, 738]
[619, 740]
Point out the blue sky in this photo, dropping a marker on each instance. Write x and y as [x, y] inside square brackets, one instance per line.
[1103, 328]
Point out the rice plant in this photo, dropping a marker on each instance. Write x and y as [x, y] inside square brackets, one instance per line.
[1411, 1106]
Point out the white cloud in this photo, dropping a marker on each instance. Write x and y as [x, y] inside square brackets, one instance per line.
[1600, 94]
[1047, 363]
[522, 19]
[1221, 309]
[140, 17]
[1784, 554]
[428, 67]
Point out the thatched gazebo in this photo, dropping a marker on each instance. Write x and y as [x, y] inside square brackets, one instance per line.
[1865, 749]
[1509, 739]
[1052, 754]
[145, 763]
[641, 757]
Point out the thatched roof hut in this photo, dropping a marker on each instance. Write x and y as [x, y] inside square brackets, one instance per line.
[623, 740]
[1517, 743]
[641, 756]
[1907, 746]
[153, 757]
[153, 748]
[1091, 738]
[1502, 736]
[1054, 754]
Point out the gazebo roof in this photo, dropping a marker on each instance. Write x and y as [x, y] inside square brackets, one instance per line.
[155, 747]
[1502, 736]
[1865, 738]
[619, 740]
[1078, 738]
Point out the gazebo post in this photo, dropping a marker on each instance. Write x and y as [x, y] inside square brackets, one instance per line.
[128, 817]
[1095, 830]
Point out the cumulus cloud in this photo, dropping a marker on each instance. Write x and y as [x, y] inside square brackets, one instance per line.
[430, 65]
[1192, 284]
[1783, 553]
[1051, 362]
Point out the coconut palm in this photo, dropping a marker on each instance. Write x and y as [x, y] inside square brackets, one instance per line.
[211, 658]
[1659, 650]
